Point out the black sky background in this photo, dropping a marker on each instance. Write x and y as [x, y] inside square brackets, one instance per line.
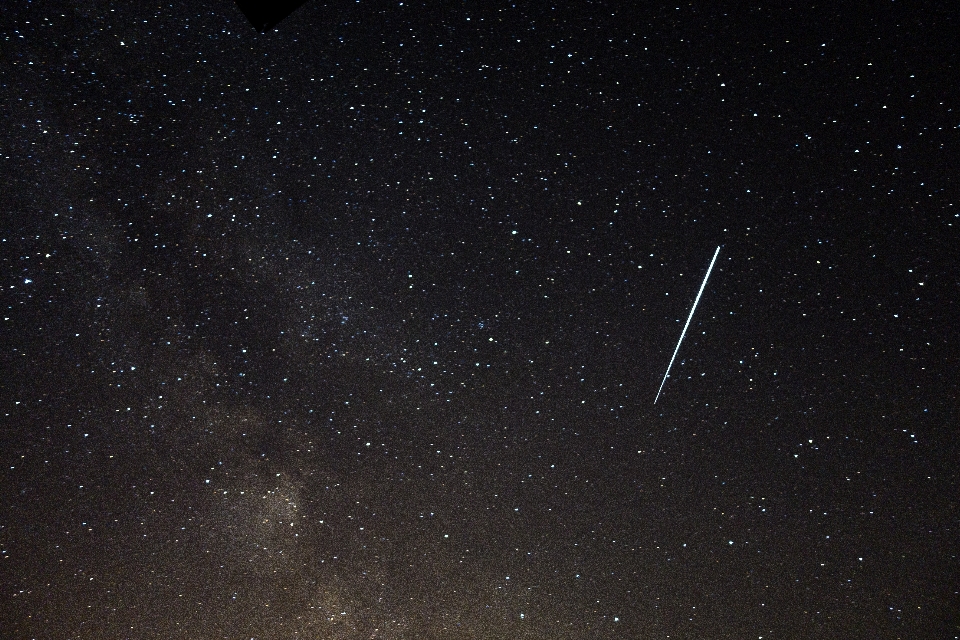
[352, 329]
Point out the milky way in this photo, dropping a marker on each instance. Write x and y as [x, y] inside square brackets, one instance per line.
[350, 329]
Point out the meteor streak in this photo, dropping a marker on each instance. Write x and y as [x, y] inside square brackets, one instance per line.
[689, 318]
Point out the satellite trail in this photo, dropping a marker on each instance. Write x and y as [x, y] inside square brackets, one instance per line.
[689, 318]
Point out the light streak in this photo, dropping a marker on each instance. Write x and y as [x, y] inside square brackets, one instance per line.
[689, 318]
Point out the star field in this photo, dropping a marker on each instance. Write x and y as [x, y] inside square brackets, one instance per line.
[353, 329]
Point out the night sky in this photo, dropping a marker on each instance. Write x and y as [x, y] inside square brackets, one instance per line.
[353, 329]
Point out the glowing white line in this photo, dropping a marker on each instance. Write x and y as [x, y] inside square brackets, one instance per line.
[689, 318]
